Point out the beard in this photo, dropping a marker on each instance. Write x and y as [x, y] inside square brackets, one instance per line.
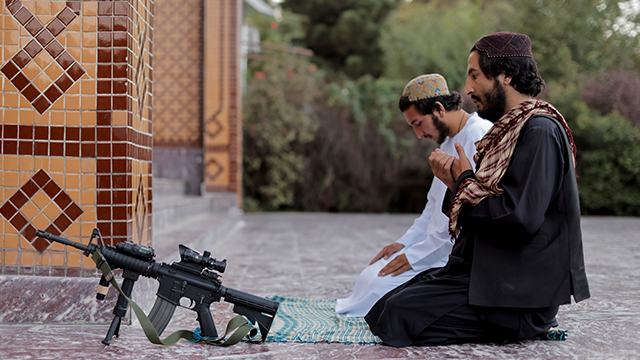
[494, 102]
[442, 128]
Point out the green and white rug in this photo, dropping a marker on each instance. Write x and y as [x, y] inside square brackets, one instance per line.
[312, 321]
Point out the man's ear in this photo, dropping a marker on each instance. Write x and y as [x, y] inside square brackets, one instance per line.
[506, 80]
[439, 108]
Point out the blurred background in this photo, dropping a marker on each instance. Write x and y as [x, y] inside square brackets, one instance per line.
[321, 126]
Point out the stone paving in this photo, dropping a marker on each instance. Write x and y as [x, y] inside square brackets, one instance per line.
[319, 256]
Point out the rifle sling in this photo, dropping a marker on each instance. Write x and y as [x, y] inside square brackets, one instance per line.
[239, 324]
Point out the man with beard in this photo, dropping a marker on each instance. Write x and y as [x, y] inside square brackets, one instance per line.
[517, 254]
[436, 114]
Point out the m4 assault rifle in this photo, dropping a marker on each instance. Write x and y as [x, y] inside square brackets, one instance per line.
[194, 278]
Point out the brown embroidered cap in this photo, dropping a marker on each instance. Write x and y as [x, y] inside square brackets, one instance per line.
[505, 44]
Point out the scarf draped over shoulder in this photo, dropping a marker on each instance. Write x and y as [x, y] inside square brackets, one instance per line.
[494, 152]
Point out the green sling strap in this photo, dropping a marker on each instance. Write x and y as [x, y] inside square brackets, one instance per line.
[238, 325]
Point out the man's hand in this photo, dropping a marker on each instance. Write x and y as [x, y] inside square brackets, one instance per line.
[441, 166]
[387, 251]
[396, 266]
[461, 164]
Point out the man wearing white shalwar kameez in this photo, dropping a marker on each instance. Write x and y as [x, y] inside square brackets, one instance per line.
[427, 243]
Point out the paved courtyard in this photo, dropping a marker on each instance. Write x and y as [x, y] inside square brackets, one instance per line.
[319, 256]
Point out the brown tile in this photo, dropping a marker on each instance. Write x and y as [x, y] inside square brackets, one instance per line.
[103, 196]
[44, 38]
[9, 147]
[63, 200]
[119, 150]
[26, 270]
[62, 222]
[105, 23]
[23, 16]
[120, 181]
[104, 71]
[121, 8]
[120, 102]
[41, 133]
[57, 132]
[73, 211]
[34, 26]
[120, 70]
[103, 103]
[72, 133]
[103, 150]
[33, 48]
[120, 55]
[10, 131]
[120, 197]
[56, 149]
[53, 93]
[120, 39]
[9, 70]
[31, 92]
[71, 148]
[103, 181]
[54, 49]
[120, 213]
[105, 228]
[120, 165]
[52, 189]
[64, 82]
[103, 118]
[42, 270]
[53, 230]
[57, 271]
[119, 134]
[66, 16]
[88, 134]
[25, 132]
[76, 71]
[76, 6]
[119, 228]
[21, 59]
[105, 8]
[41, 148]
[30, 188]
[18, 221]
[88, 149]
[103, 134]
[120, 23]
[103, 166]
[8, 210]
[18, 199]
[65, 60]
[104, 55]
[29, 233]
[56, 27]
[20, 81]
[14, 6]
[41, 178]
[41, 104]
[10, 270]
[104, 39]
[25, 148]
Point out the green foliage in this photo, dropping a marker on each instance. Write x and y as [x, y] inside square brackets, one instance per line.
[277, 125]
[435, 37]
[344, 32]
[608, 156]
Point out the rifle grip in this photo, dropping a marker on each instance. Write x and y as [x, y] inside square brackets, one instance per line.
[207, 327]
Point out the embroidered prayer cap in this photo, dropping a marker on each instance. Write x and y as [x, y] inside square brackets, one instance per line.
[505, 44]
[426, 86]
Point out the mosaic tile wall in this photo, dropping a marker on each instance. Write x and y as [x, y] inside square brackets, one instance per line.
[198, 62]
[76, 129]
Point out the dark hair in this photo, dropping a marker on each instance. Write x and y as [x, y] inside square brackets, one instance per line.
[426, 106]
[523, 71]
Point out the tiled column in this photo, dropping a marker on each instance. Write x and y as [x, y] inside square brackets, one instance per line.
[222, 98]
[76, 140]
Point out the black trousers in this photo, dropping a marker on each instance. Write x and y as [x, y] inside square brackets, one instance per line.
[433, 309]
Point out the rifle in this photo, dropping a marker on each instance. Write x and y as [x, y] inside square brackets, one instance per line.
[194, 278]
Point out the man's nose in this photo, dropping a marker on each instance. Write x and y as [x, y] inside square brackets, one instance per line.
[468, 89]
[418, 132]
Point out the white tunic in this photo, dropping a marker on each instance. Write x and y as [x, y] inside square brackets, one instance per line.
[427, 243]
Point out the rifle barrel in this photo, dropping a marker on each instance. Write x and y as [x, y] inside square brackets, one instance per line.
[49, 236]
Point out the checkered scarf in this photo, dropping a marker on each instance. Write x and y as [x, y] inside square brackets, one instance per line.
[494, 153]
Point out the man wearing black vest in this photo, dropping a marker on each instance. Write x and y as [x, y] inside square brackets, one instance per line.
[515, 222]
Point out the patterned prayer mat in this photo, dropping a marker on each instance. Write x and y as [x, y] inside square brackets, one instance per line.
[312, 321]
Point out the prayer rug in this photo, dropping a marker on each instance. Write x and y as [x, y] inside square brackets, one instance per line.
[312, 321]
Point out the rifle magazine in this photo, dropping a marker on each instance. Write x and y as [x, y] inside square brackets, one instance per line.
[161, 314]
